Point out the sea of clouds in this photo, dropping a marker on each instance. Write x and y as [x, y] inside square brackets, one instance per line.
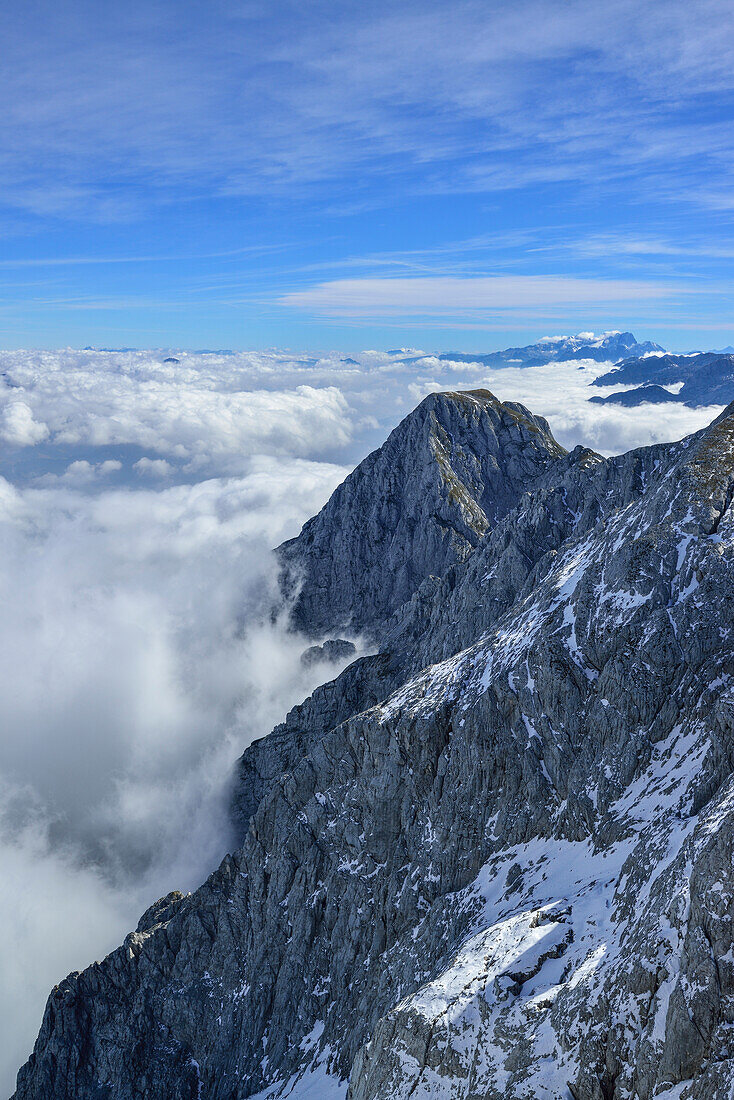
[139, 502]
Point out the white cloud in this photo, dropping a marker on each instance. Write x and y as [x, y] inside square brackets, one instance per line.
[210, 413]
[18, 427]
[55, 915]
[82, 471]
[452, 296]
[133, 674]
[153, 467]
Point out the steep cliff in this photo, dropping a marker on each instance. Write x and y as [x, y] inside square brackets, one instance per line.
[421, 502]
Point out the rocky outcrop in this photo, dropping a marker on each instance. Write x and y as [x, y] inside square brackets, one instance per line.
[332, 650]
[422, 502]
[492, 860]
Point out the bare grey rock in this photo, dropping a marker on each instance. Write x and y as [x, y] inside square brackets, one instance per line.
[420, 503]
[333, 649]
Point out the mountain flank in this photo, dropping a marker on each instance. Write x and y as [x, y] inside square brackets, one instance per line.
[494, 859]
[704, 378]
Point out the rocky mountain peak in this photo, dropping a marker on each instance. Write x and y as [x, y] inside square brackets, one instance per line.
[420, 503]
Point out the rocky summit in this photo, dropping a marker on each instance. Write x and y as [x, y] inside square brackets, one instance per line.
[492, 859]
[420, 503]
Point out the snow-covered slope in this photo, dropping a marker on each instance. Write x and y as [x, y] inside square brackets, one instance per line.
[493, 860]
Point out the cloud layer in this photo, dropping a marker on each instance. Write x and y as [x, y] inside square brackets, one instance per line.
[114, 418]
[207, 413]
[135, 669]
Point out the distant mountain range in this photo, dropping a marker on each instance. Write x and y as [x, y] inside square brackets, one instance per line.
[703, 378]
[605, 347]
[707, 379]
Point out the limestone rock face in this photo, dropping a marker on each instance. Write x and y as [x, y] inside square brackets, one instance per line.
[333, 649]
[494, 859]
[446, 475]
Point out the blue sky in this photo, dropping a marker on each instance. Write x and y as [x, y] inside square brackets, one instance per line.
[345, 175]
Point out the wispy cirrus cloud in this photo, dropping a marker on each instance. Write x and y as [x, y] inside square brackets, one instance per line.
[104, 110]
[636, 245]
[339, 128]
